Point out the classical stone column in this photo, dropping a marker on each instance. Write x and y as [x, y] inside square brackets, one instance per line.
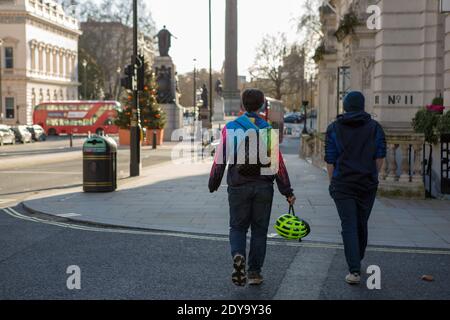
[392, 162]
[55, 61]
[404, 177]
[417, 166]
[32, 55]
[447, 62]
[68, 71]
[60, 63]
[47, 69]
[231, 91]
[41, 58]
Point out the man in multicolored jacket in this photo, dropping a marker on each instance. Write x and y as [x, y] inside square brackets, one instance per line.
[250, 196]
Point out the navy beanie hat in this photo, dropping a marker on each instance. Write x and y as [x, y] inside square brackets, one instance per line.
[354, 101]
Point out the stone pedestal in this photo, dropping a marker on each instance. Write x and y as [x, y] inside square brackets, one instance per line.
[167, 97]
[219, 109]
[204, 118]
[174, 115]
[232, 103]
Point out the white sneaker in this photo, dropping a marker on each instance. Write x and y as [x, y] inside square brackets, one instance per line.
[353, 278]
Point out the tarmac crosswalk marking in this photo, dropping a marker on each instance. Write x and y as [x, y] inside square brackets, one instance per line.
[18, 215]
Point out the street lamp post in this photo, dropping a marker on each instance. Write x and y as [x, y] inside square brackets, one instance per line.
[1, 97]
[135, 134]
[311, 103]
[305, 105]
[85, 63]
[195, 89]
[211, 102]
[119, 71]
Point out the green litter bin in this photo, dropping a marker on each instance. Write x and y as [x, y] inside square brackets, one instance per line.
[99, 164]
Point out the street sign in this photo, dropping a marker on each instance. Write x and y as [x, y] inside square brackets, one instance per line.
[444, 6]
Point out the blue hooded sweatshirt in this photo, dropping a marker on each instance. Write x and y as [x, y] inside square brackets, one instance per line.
[353, 144]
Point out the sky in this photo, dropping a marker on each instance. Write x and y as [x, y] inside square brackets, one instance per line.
[188, 21]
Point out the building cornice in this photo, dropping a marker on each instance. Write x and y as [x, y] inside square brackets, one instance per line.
[54, 82]
[17, 17]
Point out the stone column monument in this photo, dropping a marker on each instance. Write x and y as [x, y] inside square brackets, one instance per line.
[231, 92]
[165, 72]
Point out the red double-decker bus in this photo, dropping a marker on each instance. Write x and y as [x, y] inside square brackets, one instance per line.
[77, 117]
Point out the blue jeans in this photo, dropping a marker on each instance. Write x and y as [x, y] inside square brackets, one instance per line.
[250, 206]
[354, 211]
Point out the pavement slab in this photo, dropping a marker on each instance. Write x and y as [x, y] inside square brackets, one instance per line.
[175, 197]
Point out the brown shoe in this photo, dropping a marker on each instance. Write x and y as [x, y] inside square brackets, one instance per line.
[255, 278]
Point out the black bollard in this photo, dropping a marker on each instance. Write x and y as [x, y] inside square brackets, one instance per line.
[154, 139]
[71, 140]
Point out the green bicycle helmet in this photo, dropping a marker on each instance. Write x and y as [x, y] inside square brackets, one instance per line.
[291, 227]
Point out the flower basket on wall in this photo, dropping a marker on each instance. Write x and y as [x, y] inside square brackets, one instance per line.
[432, 122]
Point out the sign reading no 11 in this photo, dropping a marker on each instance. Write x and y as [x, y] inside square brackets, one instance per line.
[397, 99]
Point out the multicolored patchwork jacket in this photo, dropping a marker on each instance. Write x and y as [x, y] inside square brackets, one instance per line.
[222, 158]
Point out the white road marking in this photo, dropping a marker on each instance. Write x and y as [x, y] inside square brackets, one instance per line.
[68, 215]
[40, 172]
[18, 215]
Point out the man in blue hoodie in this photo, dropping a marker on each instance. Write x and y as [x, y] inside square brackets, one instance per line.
[354, 151]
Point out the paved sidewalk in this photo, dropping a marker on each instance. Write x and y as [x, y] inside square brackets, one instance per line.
[175, 197]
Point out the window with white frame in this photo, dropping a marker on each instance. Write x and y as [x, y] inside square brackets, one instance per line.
[9, 107]
[9, 58]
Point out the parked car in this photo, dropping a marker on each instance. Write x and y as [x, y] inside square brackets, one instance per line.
[6, 135]
[294, 118]
[37, 133]
[22, 134]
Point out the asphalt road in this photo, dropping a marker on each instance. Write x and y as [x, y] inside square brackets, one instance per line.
[119, 264]
[129, 264]
[51, 145]
[28, 178]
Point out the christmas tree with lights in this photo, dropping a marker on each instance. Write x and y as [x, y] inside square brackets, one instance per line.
[151, 115]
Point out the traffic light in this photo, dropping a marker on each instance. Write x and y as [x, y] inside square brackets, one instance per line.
[140, 73]
[128, 82]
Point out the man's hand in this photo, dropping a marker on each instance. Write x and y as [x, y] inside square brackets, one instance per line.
[291, 200]
[330, 169]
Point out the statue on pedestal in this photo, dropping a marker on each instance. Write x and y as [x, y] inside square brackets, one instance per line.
[219, 88]
[205, 96]
[164, 41]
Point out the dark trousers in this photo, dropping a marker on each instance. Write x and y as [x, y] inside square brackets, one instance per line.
[250, 206]
[354, 210]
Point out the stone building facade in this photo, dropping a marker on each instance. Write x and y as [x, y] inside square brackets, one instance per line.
[400, 61]
[39, 57]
